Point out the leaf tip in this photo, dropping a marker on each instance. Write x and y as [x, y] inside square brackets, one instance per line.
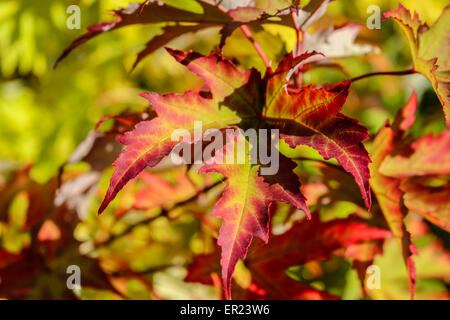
[145, 95]
[104, 204]
[177, 54]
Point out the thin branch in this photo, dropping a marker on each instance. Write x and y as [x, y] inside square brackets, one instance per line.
[297, 31]
[300, 67]
[258, 49]
[387, 73]
[164, 212]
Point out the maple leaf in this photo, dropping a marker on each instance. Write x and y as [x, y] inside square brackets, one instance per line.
[169, 33]
[389, 196]
[195, 16]
[426, 156]
[405, 178]
[244, 207]
[238, 99]
[151, 12]
[416, 167]
[405, 117]
[306, 241]
[429, 201]
[240, 92]
[387, 189]
[430, 49]
[154, 12]
[150, 141]
[98, 150]
[235, 97]
[312, 117]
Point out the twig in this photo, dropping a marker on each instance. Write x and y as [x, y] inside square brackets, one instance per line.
[297, 32]
[300, 67]
[258, 49]
[387, 73]
[150, 219]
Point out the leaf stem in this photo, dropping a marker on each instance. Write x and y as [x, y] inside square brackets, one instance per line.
[390, 73]
[300, 68]
[297, 32]
[258, 49]
[300, 45]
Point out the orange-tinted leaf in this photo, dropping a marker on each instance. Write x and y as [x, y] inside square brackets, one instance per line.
[430, 49]
[432, 202]
[428, 155]
[406, 116]
[389, 196]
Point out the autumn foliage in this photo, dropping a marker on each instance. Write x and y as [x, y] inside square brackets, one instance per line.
[274, 233]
